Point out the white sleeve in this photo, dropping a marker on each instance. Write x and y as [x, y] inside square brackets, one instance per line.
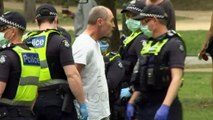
[80, 52]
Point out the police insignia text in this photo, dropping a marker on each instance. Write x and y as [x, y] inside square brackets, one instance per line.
[37, 42]
[30, 59]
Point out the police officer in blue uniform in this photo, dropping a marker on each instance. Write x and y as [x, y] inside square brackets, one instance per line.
[130, 50]
[59, 81]
[158, 73]
[115, 71]
[131, 46]
[19, 70]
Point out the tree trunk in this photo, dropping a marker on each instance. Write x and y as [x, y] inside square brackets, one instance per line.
[1, 7]
[29, 10]
[115, 39]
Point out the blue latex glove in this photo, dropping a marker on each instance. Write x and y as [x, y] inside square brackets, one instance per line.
[130, 111]
[125, 93]
[83, 111]
[162, 113]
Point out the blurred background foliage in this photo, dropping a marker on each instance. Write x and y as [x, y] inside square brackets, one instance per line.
[178, 4]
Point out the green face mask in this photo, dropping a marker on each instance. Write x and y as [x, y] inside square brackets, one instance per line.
[146, 31]
[133, 25]
[3, 41]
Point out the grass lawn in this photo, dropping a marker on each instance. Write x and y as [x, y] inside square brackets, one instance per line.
[196, 96]
[193, 40]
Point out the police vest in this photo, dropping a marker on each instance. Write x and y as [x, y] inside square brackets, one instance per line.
[39, 40]
[127, 42]
[128, 64]
[109, 58]
[154, 71]
[115, 72]
[28, 84]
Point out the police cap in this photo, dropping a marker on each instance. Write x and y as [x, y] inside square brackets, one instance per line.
[135, 6]
[151, 11]
[14, 19]
[45, 10]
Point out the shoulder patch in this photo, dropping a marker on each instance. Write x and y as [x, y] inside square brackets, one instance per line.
[66, 43]
[120, 65]
[181, 48]
[2, 59]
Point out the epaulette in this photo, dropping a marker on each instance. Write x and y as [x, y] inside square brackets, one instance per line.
[6, 46]
[172, 34]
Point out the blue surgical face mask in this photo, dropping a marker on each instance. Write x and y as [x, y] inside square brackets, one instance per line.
[104, 46]
[133, 25]
[146, 30]
[3, 40]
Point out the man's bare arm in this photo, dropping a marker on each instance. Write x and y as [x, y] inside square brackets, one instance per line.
[174, 86]
[74, 81]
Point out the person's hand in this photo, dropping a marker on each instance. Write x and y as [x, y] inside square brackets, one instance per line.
[125, 92]
[202, 55]
[83, 111]
[162, 113]
[130, 111]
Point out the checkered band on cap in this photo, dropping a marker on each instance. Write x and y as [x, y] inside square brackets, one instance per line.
[152, 15]
[50, 13]
[134, 8]
[11, 23]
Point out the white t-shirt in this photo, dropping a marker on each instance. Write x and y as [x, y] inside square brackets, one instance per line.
[87, 51]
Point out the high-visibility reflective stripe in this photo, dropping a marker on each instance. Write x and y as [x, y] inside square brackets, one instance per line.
[43, 64]
[112, 58]
[16, 103]
[148, 48]
[131, 37]
[32, 80]
[52, 82]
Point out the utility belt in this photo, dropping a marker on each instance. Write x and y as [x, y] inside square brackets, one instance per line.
[11, 111]
[60, 88]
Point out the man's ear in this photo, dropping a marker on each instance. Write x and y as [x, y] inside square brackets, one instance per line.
[99, 21]
[56, 19]
[36, 21]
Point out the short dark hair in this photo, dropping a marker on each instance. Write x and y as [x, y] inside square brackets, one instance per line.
[49, 19]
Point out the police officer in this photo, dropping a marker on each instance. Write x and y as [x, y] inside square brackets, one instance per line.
[18, 84]
[55, 100]
[130, 48]
[157, 74]
[114, 71]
